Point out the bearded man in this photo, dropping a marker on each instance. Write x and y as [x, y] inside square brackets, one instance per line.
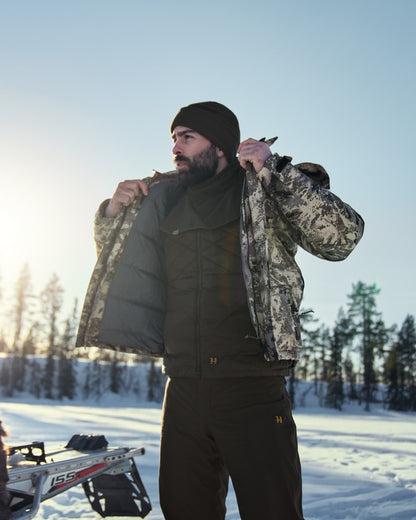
[198, 266]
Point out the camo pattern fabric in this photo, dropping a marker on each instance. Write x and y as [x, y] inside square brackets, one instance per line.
[281, 209]
[110, 235]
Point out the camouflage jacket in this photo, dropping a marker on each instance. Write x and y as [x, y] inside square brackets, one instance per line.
[282, 207]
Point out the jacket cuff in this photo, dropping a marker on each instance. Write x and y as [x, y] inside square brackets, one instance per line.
[277, 163]
[272, 169]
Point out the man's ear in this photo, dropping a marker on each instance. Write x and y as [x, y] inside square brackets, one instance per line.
[220, 153]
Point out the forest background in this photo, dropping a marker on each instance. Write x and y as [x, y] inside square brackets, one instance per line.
[358, 358]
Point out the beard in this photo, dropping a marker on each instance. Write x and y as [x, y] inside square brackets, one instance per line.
[200, 168]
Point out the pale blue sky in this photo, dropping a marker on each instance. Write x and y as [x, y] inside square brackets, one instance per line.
[88, 89]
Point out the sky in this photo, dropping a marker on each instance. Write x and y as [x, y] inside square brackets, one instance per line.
[88, 89]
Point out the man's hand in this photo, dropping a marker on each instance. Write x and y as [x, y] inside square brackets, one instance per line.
[124, 195]
[254, 152]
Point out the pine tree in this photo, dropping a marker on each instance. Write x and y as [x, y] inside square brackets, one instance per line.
[35, 378]
[320, 360]
[310, 331]
[18, 372]
[400, 369]
[51, 300]
[29, 343]
[371, 332]
[48, 380]
[19, 366]
[3, 343]
[135, 383]
[154, 382]
[97, 381]
[302, 368]
[339, 339]
[115, 374]
[407, 348]
[67, 378]
[351, 379]
[22, 303]
[86, 388]
[5, 376]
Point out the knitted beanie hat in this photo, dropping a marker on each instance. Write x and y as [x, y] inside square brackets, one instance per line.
[214, 121]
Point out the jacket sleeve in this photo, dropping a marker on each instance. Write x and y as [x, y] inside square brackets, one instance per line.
[103, 226]
[319, 221]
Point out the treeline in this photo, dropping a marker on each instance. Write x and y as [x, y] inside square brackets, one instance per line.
[359, 358]
[76, 378]
[39, 355]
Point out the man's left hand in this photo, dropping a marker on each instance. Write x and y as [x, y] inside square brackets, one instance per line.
[254, 152]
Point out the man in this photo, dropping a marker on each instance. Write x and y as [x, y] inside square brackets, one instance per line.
[198, 265]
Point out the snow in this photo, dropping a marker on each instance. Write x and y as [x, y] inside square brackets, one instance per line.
[356, 465]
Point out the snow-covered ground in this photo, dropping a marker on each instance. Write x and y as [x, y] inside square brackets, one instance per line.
[356, 465]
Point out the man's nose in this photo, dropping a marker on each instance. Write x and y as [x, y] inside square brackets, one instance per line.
[176, 148]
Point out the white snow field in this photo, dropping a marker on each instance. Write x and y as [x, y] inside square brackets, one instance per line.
[356, 465]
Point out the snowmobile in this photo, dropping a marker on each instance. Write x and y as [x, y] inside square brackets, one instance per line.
[109, 476]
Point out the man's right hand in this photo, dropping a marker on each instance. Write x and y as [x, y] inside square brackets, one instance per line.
[124, 195]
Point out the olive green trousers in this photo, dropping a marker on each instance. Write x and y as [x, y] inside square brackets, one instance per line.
[241, 428]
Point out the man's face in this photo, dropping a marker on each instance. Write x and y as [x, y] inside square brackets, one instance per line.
[194, 155]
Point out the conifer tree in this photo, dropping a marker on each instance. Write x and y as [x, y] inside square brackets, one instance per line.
[48, 379]
[351, 379]
[339, 339]
[18, 372]
[86, 388]
[97, 381]
[51, 300]
[115, 374]
[320, 360]
[29, 343]
[67, 378]
[310, 330]
[22, 303]
[35, 378]
[401, 368]
[3, 343]
[302, 369]
[368, 327]
[154, 382]
[5, 376]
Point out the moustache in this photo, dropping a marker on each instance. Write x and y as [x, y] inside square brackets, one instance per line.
[181, 158]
